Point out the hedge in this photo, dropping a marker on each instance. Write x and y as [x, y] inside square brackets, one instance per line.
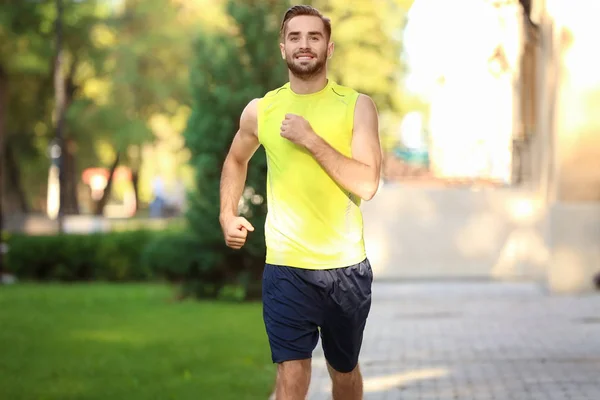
[174, 256]
[111, 256]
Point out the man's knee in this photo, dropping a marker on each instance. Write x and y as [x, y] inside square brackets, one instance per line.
[293, 379]
[346, 385]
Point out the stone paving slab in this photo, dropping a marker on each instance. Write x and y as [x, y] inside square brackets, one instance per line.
[476, 341]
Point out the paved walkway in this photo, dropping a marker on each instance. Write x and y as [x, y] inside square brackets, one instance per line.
[476, 341]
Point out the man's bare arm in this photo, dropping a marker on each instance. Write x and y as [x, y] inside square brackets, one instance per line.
[235, 168]
[359, 174]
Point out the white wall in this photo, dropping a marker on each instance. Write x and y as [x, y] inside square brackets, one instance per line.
[425, 232]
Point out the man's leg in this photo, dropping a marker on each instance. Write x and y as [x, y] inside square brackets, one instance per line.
[293, 380]
[348, 307]
[292, 312]
[346, 385]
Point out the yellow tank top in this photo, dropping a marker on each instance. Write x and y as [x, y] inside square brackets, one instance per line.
[312, 222]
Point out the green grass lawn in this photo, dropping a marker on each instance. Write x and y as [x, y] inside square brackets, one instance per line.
[113, 342]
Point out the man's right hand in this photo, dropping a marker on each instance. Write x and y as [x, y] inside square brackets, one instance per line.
[235, 230]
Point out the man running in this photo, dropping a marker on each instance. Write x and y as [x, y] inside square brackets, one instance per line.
[323, 151]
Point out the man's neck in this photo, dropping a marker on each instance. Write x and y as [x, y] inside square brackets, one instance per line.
[312, 85]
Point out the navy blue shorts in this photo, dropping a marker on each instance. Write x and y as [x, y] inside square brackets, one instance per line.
[298, 304]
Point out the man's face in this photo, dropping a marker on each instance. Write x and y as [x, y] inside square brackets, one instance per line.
[305, 46]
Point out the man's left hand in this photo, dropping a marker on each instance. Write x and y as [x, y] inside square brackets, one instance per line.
[296, 129]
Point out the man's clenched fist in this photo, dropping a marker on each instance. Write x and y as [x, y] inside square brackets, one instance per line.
[296, 129]
[235, 230]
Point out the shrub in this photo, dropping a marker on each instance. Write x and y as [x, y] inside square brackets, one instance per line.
[176, 256]
[203, 272]
[111, 256]
[230, 69]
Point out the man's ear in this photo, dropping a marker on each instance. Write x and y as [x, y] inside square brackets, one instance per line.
[282, 49]
[330, 49]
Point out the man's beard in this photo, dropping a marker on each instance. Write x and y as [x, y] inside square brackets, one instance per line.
[305, 71]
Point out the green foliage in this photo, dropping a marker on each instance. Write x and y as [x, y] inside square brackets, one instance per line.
[178, 258]
[139, 74]
[27, 51]
[172, 255]
[101, 256]
[124, 62]
[26, 57]
[229, 71]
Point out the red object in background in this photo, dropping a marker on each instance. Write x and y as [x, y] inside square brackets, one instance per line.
[121, 173]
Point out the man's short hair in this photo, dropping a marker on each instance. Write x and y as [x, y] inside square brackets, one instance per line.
[299, 10]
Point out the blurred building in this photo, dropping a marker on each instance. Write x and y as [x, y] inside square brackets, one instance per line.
[560, 134]
[515, 93]
[468, 51]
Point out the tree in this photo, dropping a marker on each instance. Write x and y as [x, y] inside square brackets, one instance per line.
[230, 70]
[25, 58]
[145, 85]
[152, 53]
[27, 54]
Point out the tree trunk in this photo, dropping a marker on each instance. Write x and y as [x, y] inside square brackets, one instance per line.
[135, 179]
[71, 205]
[135, 161]
[59, 98]
[106, 195]
[13, 178]
[70, 177]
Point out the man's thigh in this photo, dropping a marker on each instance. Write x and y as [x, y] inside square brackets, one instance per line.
[348, 307]
[292, 311]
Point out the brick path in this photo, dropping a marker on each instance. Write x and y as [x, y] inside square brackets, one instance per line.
[476, 341]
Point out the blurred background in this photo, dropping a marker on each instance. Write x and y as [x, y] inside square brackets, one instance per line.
[116, 116]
